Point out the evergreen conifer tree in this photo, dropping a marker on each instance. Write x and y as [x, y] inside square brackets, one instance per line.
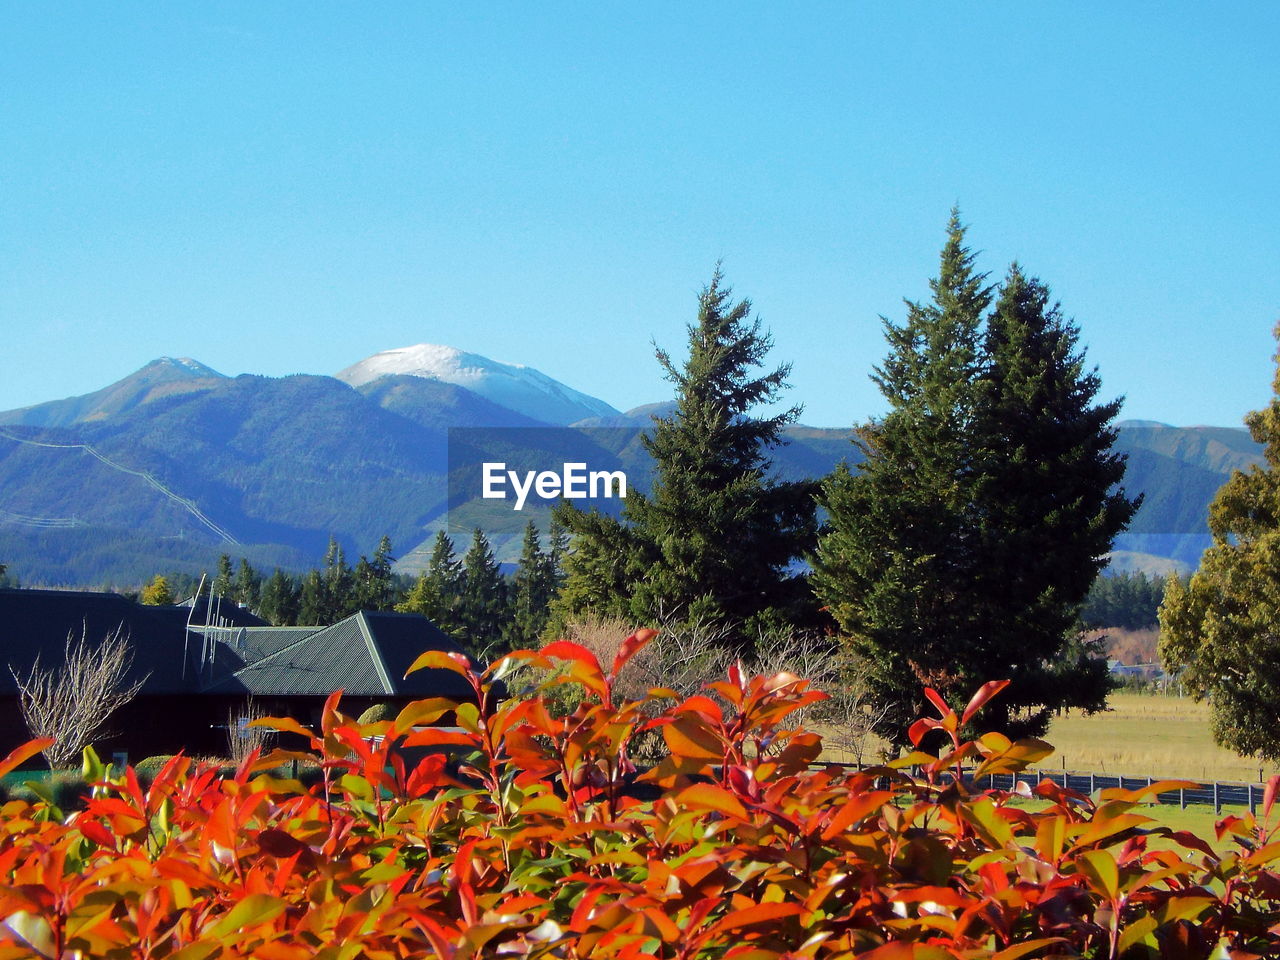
[247, 585]
[374, 583]
[482, 609]
[278, 603]
[224, 581]
[962, 546]
[531, 592]
[716, 537]
[1047, 506]
[438, 590]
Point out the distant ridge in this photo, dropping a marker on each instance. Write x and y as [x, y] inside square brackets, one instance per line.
[163, 377]
[167, 467]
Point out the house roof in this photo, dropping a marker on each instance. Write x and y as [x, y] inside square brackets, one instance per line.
[366, 654]
[38, 622]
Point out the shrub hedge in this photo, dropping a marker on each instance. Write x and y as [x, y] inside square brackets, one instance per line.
[523, 834]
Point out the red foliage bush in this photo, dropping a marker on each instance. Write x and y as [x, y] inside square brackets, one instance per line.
[524, 835]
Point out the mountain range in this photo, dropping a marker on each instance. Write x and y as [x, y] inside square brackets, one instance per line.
[177, 463]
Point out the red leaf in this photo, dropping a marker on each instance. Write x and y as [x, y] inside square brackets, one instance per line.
[630, 647]
[564, 650]
[935, 698]
[985, 693]
[918, 729]
[1269, 794]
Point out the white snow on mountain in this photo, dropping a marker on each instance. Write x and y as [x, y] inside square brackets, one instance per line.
[512, 385]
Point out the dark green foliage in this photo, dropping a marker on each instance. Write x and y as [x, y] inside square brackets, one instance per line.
[531, 590]
[482, 609]
[327, 594]
[963, 544]
[716, 537]
[223, 584]
[6, 581]
[247, 586]
[280, 601]
[375, 587]
[1127, 600]
[1221, 631]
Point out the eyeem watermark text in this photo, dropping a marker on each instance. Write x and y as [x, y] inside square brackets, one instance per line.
[573, 482]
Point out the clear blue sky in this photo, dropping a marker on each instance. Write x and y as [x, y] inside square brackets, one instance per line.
[279, 187]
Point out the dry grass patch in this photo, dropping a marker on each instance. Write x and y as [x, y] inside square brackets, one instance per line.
[1148, 735]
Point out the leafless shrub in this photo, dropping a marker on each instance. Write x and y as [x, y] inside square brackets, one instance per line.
[243, 739]
[687, 655]
[70, 702]
[855, 717]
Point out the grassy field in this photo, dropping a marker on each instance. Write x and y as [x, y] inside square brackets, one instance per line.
[1148, 736]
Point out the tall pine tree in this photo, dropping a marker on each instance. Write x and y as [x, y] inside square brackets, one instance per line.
[1047, 503]
[716, 537]
[279, 603]
[482, 610]
[962, 546]
[437, 593]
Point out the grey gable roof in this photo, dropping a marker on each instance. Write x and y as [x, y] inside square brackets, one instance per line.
[365, 655]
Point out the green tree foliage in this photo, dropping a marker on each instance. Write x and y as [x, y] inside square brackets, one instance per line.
[482, 607]
[279, 603]
[6, 581]
[247, 586]
[1127, 600]
[1221, 631]
[375, 587]
[327, 594]
[716, 537]
[963, 545]
[224, 581]
[531, 591]
[437, 592]
[157, 593]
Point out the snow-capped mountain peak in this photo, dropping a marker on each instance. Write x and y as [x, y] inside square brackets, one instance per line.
[515, 386]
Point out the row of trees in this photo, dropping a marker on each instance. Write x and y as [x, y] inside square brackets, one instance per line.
[1129, 600]
[474, 603]
[958, 548]
[470, 598]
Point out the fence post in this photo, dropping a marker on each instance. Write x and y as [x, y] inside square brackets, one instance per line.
[1253, 804]
[1182, 798]
[1217, 800]
[1091, 782]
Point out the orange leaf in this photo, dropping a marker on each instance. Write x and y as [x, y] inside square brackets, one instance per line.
[21, 754]
[690, 739]
[856, 808]
[440, 660]
[760, 913]
[708, 796]
[283, 724]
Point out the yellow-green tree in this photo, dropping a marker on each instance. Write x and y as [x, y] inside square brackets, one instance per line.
[1221, 631]
[157, 593]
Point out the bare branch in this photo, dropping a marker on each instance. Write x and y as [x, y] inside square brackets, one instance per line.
[71, 702]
